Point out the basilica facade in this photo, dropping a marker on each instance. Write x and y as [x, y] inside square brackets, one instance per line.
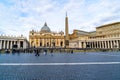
[46, 38]
[106, 36]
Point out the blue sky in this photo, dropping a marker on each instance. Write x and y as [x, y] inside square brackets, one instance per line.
[20, 16]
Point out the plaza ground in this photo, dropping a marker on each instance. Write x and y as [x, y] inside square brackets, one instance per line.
[97, 66]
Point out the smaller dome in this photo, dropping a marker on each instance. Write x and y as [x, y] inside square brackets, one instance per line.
[61, 32]
[45, 28]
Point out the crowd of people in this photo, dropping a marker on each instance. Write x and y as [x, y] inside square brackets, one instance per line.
[37, 51]
[45, 51]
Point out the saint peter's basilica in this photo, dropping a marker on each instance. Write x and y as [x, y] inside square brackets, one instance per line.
[106, 37]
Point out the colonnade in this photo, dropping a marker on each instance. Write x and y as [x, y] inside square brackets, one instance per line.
[101, 44]
[8, 44]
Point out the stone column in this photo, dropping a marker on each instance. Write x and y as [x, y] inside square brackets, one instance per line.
[102, 44]
[111, 44]
[46, 42]
[117, 44]
[59, 40]
[43, 42]
[84, 45]
[99, 44]
[14, 43]
[0, 44]
[34, 43]
[55, 42]
[91, 44]
[108, 44]
[8, 44]
[52, 42]
[39, 40]
[105, 45]
[4, 44]
[11, 45]
[49, 42]
[64, 43]
[18, 43]
[95, 44]
[24, 45]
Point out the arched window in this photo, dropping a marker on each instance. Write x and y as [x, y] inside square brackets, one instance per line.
[32, 43]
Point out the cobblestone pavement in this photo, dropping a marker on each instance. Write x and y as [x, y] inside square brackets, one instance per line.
[60, 72]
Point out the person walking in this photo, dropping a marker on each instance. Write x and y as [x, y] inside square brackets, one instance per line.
[37, 52]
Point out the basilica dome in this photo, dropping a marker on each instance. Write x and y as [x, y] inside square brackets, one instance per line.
[45, 28]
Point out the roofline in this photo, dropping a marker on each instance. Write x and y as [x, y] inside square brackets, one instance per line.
[108, 24]
[80, 30]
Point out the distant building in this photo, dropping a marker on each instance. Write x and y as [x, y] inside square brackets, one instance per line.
[105, 36]
[10, 42]
[46, 38]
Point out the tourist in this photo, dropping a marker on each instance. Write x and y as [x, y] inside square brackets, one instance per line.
[45, 51]
[51, 51]
[71, 51]
[37, 52]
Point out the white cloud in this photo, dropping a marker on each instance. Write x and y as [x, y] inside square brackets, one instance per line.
[24, 15]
